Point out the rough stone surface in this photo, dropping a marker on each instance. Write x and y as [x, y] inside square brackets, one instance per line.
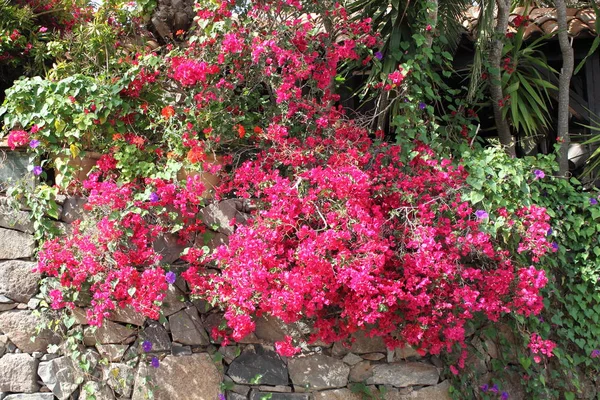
[373, 356]
[6, 307]
[16, 219]
[278, 389]
[266, 363]
[197, 371]
[186, 328]
[271, 329]
[258, 395]
[112, 352]
[3, 343]
[18, 373]
[109, 333]
[235, 396]
[15, 244]
[361, 371]
[338, 394]
[173, 301]
[220, 215]
[404, 374]
[18, 282]
[156, 334]
[100, 392]
[19, 326]
[60, 376]
[33, 396]
[127, 315]
[361, 345]
[168, 246]
[406, 352]
[318, 372]
[73, 209]
[437, 392]
[119, 377]
[178, 350]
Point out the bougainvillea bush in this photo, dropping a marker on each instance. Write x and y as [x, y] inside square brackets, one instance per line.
[350, 232]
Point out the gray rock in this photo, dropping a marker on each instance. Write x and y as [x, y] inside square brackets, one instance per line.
[180, 378]
[48, 357]
[361, 371]
[112, 352]
[351, 359]
[362, 344]
[156, 334]
[406, 352]
[235, 396]
[259, 367]
[373, 356]
[168, 246]
[5, 300]
[60, 376]
[173, 301]
[18, 373]
[33, 396]
[99, 392]
[18, 282]
[258, 395]
[120, 377]
[127, 315]
[404, 374]
[15, 244]
[318, 372]
[3, 343]
[437, 392]
[272, 329]
[178, 350]
[338, 394]
[219, 216]
[73, 209]
[278, 389]
[20, 326]
[109, 333]
[16, 219]
[229, 353]
[7, 307]
[186, 328]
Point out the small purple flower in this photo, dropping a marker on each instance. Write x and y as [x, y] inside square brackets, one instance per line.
[595, 353]
[37, 170]
[146, 346]
[539, 174]
[494, 389]
[593, 201]
[154, 197]
[154, 362]
[554, 246]
[484, 388]
[422, 105]
[222, 396]
[34, 143]
[549, 232]
[170, 277]
[504, 396]
[379, 55]
[481, 214]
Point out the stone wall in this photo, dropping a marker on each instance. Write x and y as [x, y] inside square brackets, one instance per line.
[191, 365]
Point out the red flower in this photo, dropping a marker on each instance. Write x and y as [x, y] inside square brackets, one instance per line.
[167, 112]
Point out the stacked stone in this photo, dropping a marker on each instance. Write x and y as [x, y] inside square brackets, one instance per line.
[191, 365]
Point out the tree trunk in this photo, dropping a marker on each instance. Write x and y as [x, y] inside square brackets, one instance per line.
[506, 138]
[564, 85]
